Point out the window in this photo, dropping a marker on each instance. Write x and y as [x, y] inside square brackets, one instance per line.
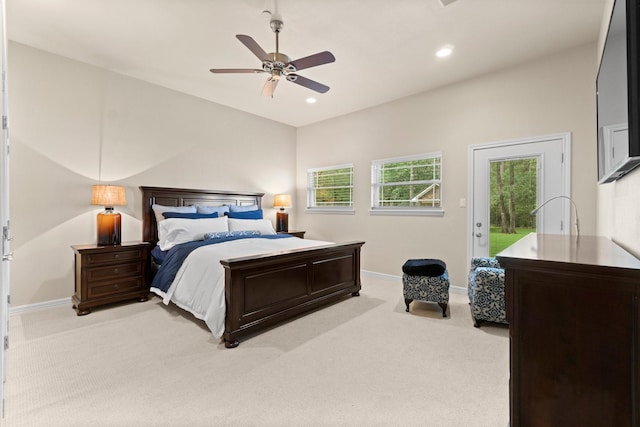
[330, 189]
[407, 185]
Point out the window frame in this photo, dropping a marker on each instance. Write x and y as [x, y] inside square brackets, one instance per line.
[376, 209]
[311, 190]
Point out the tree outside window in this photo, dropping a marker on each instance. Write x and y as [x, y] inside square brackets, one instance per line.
[330, 188]
[407, 183]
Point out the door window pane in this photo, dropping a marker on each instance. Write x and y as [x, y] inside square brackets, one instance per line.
[513, 197]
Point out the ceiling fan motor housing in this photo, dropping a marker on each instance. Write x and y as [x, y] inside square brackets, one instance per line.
[278, 66]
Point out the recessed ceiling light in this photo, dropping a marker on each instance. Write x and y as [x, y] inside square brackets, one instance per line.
[311, 100]
[444, 51]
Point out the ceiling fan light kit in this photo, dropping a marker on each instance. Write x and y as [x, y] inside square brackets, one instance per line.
[277, 64]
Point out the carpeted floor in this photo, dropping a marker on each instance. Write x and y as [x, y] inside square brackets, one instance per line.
[361, 361]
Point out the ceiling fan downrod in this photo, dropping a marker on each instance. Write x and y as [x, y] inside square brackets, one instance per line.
[276, 25]
[277, 68]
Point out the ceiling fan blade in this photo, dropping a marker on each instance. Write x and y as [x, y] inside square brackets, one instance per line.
[253, 47]
[313, 60]
[236, 70]
[270, 87]
[308, 83]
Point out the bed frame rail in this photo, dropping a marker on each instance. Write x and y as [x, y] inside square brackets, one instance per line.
[269, 289]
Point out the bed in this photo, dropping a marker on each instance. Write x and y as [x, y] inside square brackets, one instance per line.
[264, 289]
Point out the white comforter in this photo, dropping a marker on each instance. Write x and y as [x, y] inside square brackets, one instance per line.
[199, 284]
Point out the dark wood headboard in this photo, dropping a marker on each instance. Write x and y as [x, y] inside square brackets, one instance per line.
[187, 197]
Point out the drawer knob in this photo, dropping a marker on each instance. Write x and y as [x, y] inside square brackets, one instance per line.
[115, 270]
[116, 286]
[117, 255]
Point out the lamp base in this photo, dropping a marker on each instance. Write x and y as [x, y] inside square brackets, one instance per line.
[282, 221]
[109, 229]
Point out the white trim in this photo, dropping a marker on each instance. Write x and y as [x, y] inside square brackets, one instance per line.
[458, 290]
[336, 210]
[380, 275]
[406, 211]
[563, 135]
[454, 289]
[565, 184]
[422, 156]
[27, 308]
[328, 168]
[66, 302]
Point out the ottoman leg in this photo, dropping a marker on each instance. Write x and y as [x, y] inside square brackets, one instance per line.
[443, 306]
[407, 301]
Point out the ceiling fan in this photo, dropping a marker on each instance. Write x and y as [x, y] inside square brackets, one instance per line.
[278, 65]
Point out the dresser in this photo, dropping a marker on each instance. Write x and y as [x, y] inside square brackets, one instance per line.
[574, 329]
[108, 274]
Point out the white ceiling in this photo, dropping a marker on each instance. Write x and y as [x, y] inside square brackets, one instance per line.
[384, 49]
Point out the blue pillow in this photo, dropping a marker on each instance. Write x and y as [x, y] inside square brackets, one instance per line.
[256, 214]
[189, 215]
[221, 210]
[244, 208]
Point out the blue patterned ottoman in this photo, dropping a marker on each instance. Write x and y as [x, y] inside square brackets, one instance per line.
[426, 280]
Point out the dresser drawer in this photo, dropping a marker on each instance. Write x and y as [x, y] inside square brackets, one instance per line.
[114, 271]
[109, 257]
[102, 289]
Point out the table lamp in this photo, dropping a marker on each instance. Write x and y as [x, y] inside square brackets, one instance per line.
[108, 220]
[282, 218]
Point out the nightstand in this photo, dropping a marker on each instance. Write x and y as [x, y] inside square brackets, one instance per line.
[108, 274]
[294, 233]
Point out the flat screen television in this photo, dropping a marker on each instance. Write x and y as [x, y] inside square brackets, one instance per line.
[618, 94]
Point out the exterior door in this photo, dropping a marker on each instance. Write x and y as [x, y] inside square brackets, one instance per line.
[4, 212]
[551, 156]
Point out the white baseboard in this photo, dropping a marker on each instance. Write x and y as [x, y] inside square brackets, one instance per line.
[454, 289]
[381, 275]
[62, 302]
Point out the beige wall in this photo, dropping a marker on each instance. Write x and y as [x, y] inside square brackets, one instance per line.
[548, 96]
[62, 112]
[619, 202]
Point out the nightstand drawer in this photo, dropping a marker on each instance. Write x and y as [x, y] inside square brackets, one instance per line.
[114, 287]
[108, 257]
[114, 271]
[109, 274]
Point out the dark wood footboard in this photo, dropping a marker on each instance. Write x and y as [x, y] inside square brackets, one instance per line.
[265, 290]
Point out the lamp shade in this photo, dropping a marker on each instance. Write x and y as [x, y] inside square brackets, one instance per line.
[282, 201]
[108, 195]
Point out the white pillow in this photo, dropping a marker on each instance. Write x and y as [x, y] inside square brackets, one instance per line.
[264, 226]
[173, 231]
[158, 209]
